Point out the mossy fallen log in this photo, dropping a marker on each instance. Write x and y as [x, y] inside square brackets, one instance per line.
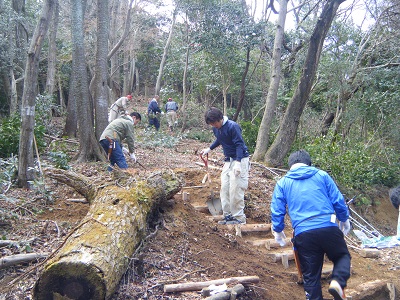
[96, 254]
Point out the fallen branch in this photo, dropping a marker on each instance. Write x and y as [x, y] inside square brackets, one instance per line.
[16, 259]
[198, 286]
[4, 243]
[272, 170]
[78, 200]
[211, 167]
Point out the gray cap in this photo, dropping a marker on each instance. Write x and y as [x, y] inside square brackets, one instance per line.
[300, 156]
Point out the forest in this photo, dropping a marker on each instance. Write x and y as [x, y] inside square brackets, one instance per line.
[319, 75]
[328, 82]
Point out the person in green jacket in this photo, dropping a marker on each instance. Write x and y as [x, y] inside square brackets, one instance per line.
[118, 130]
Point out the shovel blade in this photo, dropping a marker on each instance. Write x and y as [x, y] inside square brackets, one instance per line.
[214, 206]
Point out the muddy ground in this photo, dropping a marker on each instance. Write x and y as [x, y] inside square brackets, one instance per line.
[184, 244]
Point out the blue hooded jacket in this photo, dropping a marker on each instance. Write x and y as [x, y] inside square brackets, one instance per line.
[311, 197]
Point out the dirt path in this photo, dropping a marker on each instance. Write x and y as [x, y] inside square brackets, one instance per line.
[185, 243]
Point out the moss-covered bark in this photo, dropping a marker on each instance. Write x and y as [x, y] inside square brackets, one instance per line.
[96, 255]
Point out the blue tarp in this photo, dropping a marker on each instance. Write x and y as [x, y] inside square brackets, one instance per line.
[376, 242]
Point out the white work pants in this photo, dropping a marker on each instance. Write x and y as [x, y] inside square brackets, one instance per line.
[233, 188]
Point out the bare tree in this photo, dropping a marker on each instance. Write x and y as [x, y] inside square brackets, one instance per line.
[25, 154]
[288, 127]
[184, 79]
[52, 53]
[265, 126]
[89, 148]
[164, 57]
[101, 70]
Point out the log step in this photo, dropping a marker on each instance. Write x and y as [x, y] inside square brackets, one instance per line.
[246, 228]
[275, 257]
[215, 218]
[325, 274]
[201, 208]
[370, 253]
[369, 290]
[269, 243]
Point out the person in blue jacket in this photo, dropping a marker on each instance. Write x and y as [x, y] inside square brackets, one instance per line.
[152, 111]
[314, 203]
[235, 173]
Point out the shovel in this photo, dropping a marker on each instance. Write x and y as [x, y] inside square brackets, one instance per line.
[213, 204]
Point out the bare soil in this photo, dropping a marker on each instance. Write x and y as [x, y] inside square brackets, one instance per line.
[184, 244]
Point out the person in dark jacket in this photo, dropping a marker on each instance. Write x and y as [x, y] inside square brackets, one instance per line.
[235, 173]
[314, 203]
[117, 131]
[152, 111]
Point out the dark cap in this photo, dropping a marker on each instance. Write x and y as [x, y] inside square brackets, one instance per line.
[300, 156]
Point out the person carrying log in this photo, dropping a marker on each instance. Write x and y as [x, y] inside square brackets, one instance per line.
[314, 203]
[118, 108]
[118, 130]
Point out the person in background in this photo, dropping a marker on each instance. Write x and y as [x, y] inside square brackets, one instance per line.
[152, 110]
[235, 173]
[171, 107]
[119, 108]
[118, 130]
[314, 203]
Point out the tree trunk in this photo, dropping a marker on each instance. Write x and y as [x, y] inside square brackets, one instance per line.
[101, 69]
[242, 86]
[96, 253]
[184, 79]
[164, 57]
[25, 154]
[269, 111]
[288, 127]
[71, 122]
[51, 60]
[115, 81]
[89, 147]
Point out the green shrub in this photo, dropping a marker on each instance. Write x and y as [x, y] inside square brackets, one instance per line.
[153, 139]
[356, 166]
[60, 160]
[250, 132]
[9, 136]
[202, 135]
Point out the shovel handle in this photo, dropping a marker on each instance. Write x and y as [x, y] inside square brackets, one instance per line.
[205, 160]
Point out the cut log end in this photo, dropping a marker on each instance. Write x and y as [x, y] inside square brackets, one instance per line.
[81, 282]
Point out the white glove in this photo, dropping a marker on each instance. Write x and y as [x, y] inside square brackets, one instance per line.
[237, 168]
[345, 226]
[162, 112]
[133, 157]
[205, 151]
[280, 238]
[125, 151]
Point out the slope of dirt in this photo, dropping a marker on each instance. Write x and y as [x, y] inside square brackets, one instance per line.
[184, 244]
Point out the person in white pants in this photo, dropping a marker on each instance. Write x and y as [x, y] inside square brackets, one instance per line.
[235, 173]
[119, 108]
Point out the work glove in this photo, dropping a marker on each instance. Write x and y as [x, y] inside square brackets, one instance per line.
[280, 238]
[133, 157]
[125, 151]
[345, 226]
[237, 168]
[205, 151]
